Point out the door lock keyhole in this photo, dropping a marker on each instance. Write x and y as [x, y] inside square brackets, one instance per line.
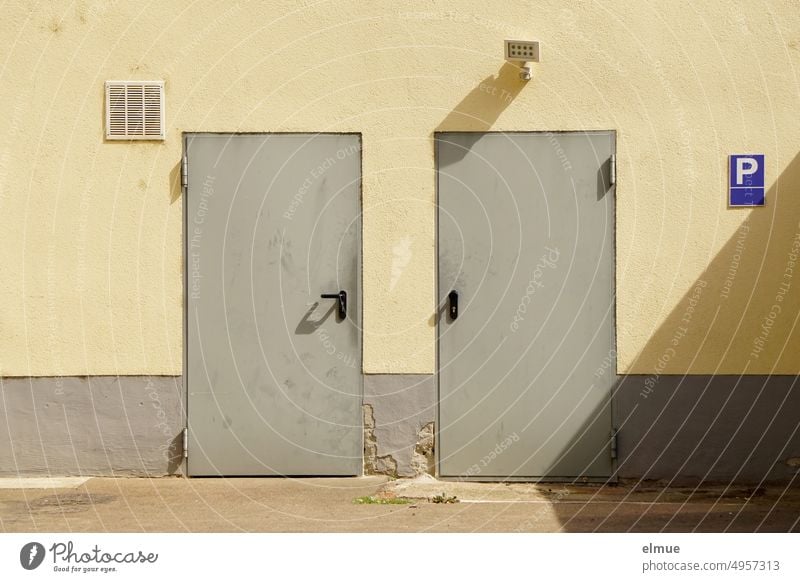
[452, 300]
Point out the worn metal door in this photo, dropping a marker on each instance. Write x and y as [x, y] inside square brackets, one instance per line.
[273, 370]
[526, 242]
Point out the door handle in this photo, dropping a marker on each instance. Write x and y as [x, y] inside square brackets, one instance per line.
[341, 298]
[452, 299]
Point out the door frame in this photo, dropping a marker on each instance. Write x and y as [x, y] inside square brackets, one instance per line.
[439, 311]
[183, 166]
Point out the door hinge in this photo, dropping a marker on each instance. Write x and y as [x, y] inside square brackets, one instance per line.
[613, 169]
[613, 443]
[184, 172]
[186, 443]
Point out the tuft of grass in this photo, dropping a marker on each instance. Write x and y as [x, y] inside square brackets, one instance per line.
[372, 500]
[444, 498]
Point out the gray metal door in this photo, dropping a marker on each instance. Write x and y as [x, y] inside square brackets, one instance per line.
[526, 240]
[273, 370]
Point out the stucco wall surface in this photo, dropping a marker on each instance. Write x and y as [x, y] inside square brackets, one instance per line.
[91, 253]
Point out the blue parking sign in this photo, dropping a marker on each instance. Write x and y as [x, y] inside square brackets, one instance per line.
[746, 180]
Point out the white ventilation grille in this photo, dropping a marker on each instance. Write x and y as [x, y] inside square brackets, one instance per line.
[134, 110]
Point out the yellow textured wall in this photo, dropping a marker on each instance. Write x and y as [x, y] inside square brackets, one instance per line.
[91, 255]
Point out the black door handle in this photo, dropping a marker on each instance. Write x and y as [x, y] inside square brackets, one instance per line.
[452, 298]
[341, 296]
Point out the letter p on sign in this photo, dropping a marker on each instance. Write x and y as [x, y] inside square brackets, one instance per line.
[746, 180]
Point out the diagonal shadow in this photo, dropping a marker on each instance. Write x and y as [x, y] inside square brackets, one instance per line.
[483, 105]
[739, 315]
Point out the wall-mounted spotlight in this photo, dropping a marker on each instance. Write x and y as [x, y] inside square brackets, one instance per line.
[524, 52]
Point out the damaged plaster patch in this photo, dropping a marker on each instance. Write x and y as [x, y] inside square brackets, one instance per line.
[422, 462]
[374, 464]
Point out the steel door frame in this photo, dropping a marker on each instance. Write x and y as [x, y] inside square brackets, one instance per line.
[436, 449]
[185, 135]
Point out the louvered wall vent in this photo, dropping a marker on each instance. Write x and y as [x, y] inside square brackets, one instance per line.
[134, 110]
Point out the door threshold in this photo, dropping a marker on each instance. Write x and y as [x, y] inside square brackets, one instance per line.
[564, 480]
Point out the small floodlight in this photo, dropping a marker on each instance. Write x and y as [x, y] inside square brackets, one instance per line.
[524, 52]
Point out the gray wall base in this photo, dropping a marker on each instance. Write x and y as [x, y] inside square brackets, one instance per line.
[98, 425]
[693, 429]
[399, 414]
[683, 429]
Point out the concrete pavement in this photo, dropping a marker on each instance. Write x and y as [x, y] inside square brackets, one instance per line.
[327, 505]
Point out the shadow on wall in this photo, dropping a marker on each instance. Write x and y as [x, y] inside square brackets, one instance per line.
[478, 111]
[741, 313]
[709, 427]
[723, 322]
[484, 104]
[175, 188]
